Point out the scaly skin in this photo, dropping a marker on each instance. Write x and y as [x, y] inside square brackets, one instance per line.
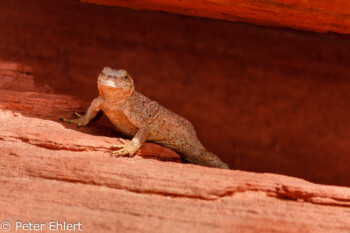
[144, 120]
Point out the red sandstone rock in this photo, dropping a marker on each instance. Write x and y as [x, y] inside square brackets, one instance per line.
[283, 94]
[52, 171]
[320, 16]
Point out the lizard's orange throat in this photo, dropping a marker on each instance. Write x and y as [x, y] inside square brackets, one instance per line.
[115, 92]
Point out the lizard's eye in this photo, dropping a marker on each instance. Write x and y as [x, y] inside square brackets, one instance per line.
[125, 77]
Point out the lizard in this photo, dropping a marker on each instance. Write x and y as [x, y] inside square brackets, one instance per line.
[142, 119]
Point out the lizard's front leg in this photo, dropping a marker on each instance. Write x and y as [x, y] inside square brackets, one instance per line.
[92, 111]
[130, 148]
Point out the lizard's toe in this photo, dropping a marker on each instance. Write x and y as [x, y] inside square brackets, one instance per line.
[117, 146]
[123, 141]
[115, 154]
[77, 114]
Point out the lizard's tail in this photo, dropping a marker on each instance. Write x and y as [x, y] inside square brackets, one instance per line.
[206, 158]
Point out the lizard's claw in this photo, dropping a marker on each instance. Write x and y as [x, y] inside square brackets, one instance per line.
[126, 148]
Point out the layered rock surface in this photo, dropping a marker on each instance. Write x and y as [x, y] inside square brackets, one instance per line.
[50, 171]
[320, 16]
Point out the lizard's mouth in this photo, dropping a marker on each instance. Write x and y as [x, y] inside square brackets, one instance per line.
[106, 83]
[111, 83]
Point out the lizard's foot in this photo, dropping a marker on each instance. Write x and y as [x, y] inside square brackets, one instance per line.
[126, 148]
[81, 121]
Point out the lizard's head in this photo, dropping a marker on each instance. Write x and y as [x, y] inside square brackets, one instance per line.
[111, 80]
